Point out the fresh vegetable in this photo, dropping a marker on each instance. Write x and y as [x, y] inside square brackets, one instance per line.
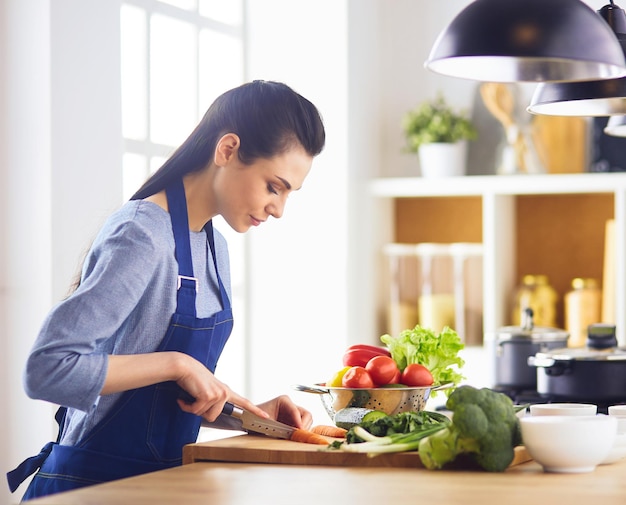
[396, 379]
[382, 370]
[308, 437]
[329, 431]
[398, 433]
[439, 353]
[351, 416]
[398, 442]
[401, 423]
[357, 377]
[416, 375]
[383, 351]
[335, 380]
[484, 426]
[360, 354]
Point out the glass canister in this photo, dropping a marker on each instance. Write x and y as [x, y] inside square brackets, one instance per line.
[436, 285]
[403, 290]
[582, 308]
[535, 293]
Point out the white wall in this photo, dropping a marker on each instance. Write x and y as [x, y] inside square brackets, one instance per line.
[59, 176]
[25, 219]
[298, 264]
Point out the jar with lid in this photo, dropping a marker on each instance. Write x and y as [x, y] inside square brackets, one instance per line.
[582, 308]
[535, 293]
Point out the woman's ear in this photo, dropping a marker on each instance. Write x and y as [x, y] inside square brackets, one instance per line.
[226, 149]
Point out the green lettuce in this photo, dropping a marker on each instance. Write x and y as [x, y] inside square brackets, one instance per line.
[437, 352]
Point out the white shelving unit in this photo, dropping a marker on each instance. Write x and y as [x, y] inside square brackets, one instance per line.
[498, 220]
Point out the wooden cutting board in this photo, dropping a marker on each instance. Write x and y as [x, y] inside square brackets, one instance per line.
[262, 449]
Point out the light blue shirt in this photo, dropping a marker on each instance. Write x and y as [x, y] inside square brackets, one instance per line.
[123, 305]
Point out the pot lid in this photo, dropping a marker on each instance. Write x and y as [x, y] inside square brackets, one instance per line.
[529, 332]
[584, 354]
[535, 334]
[601, 346]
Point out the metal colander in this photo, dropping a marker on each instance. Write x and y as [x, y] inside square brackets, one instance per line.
[391, 400]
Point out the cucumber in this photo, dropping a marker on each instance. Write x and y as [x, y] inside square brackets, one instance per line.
[372, 416]
[348, 417]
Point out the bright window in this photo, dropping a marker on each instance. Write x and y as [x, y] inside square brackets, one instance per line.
[177, 56]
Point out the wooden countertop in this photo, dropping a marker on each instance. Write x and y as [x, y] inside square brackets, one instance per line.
[257, 484]
[243, 483]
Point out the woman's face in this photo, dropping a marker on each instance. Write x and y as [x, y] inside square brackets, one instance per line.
[246, 195]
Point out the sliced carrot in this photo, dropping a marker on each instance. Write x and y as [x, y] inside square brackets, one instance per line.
[308, 437]
[329, 431]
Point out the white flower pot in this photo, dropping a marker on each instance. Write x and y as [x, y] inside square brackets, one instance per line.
[443, 160]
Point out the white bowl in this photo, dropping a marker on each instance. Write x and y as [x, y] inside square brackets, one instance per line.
[617, 410]
[563, 409]
[618, 451]
[569, 444]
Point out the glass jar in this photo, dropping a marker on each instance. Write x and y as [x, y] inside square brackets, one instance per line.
[582, 308]
[535, 293]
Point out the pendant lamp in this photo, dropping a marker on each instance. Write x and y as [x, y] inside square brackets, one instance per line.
[528, 41]
[591, 98]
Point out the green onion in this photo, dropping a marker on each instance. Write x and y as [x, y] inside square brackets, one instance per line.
[397, 442]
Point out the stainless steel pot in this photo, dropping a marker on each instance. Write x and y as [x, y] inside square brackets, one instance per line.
[595, 373]
[513, 345]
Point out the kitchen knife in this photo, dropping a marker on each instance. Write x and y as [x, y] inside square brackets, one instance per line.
[252, 423]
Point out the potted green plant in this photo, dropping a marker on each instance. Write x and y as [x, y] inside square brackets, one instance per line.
[439, 135]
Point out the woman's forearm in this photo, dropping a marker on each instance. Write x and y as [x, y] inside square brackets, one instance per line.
[133, 371]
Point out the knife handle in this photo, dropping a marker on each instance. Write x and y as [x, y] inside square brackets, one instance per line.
[228, 409]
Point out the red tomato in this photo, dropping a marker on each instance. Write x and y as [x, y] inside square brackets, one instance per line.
[382, 369]
[416, 375]
[396, 378]
[357, 377]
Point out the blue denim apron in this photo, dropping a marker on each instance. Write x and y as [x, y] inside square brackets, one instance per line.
[145, 430]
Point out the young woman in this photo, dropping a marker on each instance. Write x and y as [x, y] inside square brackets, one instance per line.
[131, 353]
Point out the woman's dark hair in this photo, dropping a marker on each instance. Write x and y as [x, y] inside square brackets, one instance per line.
[269, 118]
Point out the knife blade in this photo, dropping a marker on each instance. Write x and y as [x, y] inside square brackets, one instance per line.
[252, 423]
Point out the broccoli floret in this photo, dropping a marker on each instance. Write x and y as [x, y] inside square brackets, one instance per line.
[484, 426]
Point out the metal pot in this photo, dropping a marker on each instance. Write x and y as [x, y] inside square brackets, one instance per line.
[595, 373]
[513, 345]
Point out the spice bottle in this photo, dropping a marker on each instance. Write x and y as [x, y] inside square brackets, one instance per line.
[582, 308]
[536, 293]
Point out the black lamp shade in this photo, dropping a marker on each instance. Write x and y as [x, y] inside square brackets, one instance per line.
[528, 41]
[591, 98]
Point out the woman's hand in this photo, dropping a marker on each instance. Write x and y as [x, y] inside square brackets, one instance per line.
[208, 392]
[283, 409]
[133, 371]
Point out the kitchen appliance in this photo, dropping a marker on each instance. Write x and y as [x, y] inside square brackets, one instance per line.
[513, 345]
[592, 374]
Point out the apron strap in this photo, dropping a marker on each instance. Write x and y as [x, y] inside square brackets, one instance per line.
[187, 283]
[208, 229]
[31, 465]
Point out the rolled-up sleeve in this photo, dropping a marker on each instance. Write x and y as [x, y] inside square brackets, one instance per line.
[68, 362]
